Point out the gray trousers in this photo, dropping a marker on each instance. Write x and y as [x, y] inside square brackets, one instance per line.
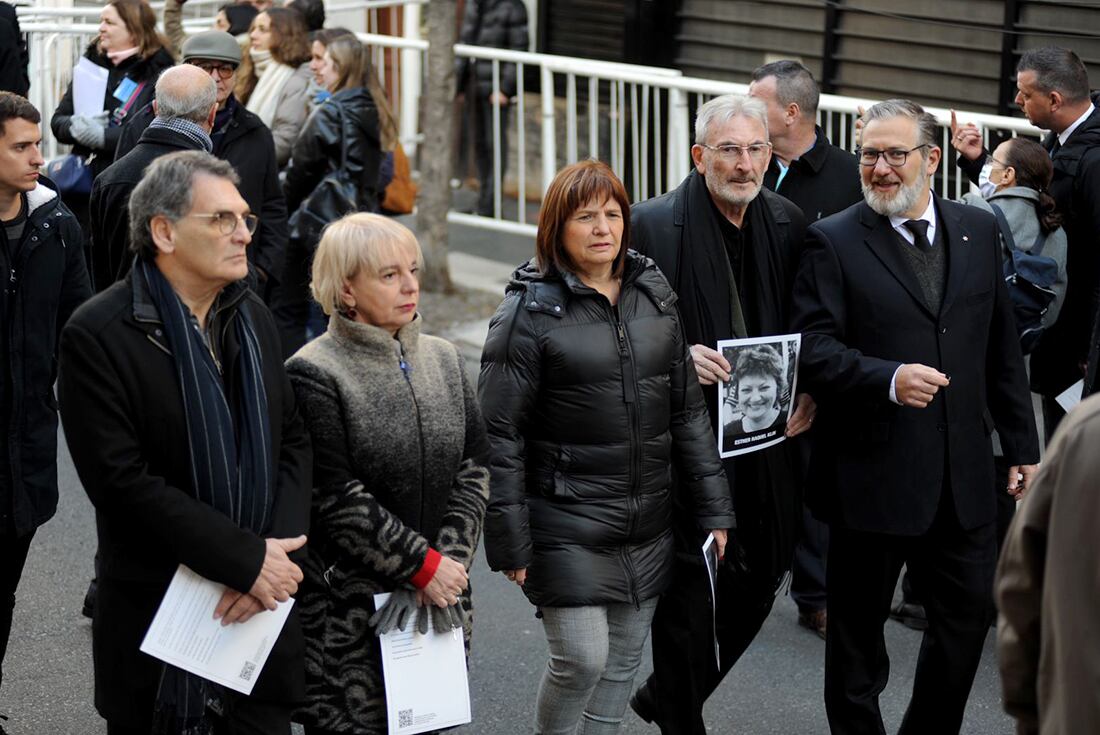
[594, 653]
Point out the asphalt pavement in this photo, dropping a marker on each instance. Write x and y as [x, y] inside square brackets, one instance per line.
[775, 688]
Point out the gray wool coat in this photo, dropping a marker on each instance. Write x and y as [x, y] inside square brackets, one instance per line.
[400, 466]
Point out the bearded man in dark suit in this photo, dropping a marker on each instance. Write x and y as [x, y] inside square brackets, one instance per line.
[909, 348]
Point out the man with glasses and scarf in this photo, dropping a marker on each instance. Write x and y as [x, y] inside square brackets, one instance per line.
[909, 347]
[185, 434]
[730, 248]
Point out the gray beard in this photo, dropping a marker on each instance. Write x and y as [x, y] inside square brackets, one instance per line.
[902, 202]
[724, 191]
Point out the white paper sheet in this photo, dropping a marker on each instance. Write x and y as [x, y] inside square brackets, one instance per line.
[710, 558]
[427, 687]
[185, 634]
[1071, 396]
[89, 87]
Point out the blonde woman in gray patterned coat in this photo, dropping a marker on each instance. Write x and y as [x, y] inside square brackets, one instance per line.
[399, 468]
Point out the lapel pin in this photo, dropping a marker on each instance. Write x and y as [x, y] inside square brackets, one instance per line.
[966, 239]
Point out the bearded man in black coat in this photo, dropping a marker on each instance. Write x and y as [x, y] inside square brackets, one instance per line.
[184, 431]
[730, 249]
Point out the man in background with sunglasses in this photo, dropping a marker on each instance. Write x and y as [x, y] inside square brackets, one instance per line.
[909, 347]
[185, 434]
[240, 138]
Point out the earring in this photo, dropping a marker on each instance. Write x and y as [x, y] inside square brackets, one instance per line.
[351, 313]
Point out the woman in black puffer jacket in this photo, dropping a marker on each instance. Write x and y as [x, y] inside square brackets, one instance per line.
[590, 398]
[340, 142]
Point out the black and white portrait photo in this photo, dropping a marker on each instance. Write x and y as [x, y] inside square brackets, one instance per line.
[758, 399]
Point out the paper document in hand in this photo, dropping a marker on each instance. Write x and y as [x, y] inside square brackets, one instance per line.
[185, 634]
[1071, 396]
[427, 687]
[89, 87]
[710, 558]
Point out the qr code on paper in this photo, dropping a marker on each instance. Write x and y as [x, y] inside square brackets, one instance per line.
[404, 718]
[247, 670]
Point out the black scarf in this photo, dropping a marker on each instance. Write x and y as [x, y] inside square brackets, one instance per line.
[231, 470]
[765, 489]
[703, 274]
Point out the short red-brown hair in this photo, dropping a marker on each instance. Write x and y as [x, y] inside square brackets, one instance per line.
[573, 187]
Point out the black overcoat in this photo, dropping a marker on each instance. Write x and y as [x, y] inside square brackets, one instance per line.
[124, 421]
[766, 485]
[879, 467]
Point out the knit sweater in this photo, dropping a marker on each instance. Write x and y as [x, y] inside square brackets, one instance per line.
[400, 467]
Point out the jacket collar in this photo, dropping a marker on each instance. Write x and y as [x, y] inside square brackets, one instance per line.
[1016, 192]
[145, 311]
[371, 341]
[551, 292]
[883, 243]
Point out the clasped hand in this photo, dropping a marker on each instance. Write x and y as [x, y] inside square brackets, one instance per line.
[277, 581]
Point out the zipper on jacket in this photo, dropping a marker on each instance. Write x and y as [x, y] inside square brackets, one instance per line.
[406, 370]
[630, 397]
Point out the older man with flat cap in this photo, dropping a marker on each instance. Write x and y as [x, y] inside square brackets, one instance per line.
[241, 139]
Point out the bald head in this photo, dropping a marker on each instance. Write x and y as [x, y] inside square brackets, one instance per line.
[186, 92]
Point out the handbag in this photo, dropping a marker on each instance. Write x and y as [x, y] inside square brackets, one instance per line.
[71, 173]
[336, 196]
[400, 193]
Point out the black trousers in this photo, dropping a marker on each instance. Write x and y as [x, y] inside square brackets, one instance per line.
[808, 569]
[952, 569]
[13, 556]
[684, 670]
[245, 716]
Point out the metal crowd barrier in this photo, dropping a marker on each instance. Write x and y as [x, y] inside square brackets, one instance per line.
[636, 118]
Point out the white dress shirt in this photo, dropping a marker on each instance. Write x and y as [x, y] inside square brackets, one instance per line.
[1064, 135]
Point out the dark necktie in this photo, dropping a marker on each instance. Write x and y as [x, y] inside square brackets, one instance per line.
[1051, 143]
[919, 228]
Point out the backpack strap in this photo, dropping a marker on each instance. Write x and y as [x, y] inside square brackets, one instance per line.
[1002, 224]
[1006, 231]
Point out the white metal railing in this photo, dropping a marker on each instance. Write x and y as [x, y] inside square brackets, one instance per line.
[636, 118]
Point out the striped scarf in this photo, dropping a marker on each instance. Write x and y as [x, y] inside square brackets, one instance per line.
[230, 470]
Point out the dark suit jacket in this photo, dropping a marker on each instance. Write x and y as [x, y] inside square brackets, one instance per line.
[125, 425]
[881, 467]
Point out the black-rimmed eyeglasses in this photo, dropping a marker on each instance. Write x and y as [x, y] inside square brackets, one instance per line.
[224, 70]
[895, 157]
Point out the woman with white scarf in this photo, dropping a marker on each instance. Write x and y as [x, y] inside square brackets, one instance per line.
[273, 79]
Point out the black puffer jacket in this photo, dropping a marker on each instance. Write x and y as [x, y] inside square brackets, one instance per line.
[44, 283]
[140, 70]
[347, 118]
[587, 407]
[497, 24]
